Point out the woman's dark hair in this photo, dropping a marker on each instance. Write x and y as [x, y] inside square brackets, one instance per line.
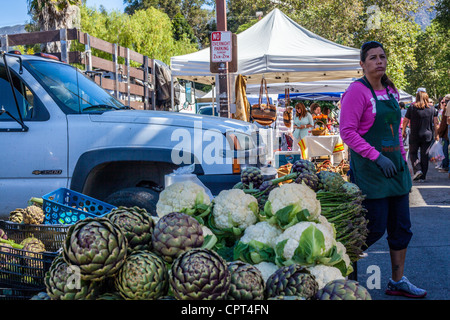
[363, 55]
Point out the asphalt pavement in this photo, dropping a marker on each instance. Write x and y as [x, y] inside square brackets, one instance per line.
[428, 254]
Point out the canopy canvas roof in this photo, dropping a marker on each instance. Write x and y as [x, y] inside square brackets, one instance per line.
[279, 49]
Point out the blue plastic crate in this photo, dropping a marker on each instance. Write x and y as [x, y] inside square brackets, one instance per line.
[65, 206]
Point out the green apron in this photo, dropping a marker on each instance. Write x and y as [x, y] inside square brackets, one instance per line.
[383, 135]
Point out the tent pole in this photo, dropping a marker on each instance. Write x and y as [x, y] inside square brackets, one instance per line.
[171, 93]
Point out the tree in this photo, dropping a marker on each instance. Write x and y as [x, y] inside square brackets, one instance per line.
[433, 62]
[197, 20]
[148, 32]
[53, 15]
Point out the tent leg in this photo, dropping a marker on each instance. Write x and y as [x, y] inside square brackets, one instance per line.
[171, 94]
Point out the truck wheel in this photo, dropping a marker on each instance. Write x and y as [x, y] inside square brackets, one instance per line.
[142, 197]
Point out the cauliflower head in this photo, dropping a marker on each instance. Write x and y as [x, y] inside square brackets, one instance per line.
[267, 269]
[287, 201]
[234, 209]
[325, 274]
[294, 233]
[263, 232]
[181, 197]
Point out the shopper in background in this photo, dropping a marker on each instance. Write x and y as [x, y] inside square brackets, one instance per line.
[442, 134]
[370, 126]
[447, 113]
[315, 109]
[301, 124]
[422, 121]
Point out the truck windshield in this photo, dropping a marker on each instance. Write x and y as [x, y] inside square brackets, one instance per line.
[73, 91]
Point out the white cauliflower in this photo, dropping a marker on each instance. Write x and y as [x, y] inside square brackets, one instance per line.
[263, 232]
[182, 197]
[325, 274]
[258, 243]
[323, 221]
[234, 209]
[294, 233]
[343, 252]
[286, 203]
[267, 269]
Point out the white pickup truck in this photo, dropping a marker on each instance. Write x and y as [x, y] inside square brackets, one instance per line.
[60, 129]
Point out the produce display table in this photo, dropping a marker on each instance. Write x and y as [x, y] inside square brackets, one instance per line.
[329, 145]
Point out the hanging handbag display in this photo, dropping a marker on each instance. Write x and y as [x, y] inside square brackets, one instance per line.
[287, 114]
[264, 114]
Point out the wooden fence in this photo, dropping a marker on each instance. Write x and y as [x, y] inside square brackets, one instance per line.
[133, 86]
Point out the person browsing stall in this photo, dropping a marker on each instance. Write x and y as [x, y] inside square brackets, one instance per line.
[302, 122]
[370, 126]
[422, 120]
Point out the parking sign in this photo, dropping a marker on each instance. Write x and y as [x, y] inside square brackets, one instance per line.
[221, 46]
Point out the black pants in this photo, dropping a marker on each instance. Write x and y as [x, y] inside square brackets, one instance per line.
[417, 146]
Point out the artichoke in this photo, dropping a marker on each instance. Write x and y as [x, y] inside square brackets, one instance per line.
[310, 179]
[175, 233]
[62, 283]
[330, 181]
[199, 274]
[34, 248]
[351, 189]
[110, 296]
[247, 282]
[137, 225]
[286, 298]
[293, 280]
[303, 166]
[252, 177]
[16, 215]
[97, 246]
[343, 290]
[144, 276]
[33, 214]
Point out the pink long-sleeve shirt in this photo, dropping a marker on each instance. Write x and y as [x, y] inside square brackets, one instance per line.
[358, 115]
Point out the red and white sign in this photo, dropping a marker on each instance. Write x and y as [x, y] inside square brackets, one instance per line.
[221, 46]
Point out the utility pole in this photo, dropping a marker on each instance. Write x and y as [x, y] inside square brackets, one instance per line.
[224, 103]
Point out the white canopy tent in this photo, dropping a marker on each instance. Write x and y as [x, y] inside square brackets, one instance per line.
[279, 49]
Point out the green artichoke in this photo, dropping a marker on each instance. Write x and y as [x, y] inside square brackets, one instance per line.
[330, 181]
[137, 225]
[351, 189]
[252, 177]
[247, 282]
[110, 296]
[199, 274]
[63, 283]
[144, 276]
[303, 165]
[309, 178]
[293, 280]
[97, 246]
[343, 290]
[175, 233]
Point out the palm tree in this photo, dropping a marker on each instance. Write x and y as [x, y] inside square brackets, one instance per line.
[54, 15]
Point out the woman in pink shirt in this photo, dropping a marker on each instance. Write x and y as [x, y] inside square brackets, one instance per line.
[370, 126]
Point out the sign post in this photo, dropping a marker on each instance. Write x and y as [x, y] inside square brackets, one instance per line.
[221, 55]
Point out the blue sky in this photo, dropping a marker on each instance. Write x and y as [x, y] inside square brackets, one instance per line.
[16, 11]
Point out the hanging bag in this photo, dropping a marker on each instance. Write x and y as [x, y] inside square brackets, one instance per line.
[287, 114]
[264, 114]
